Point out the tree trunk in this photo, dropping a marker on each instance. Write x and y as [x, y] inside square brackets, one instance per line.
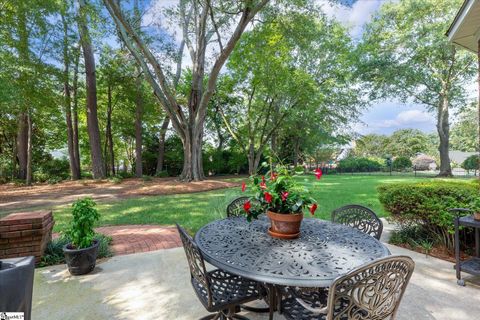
[98, 169]
[254, 157]
[443, 128]
[74, 171]
[22, 130]
[22, 137]
[76, 148]
[29, 149]
[217, 122]
[296, 151]
[108, 132]
[478, 106]
[192, 160]
[251, 159]
[161, 144]
[14, 158]
[273, 143]
[138, 127]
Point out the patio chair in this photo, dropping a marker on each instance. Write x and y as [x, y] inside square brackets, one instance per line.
[235, 208]
[219, 291]
[359, 217]
[373, 292]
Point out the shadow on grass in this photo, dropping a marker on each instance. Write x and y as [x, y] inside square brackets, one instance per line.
[196, 209]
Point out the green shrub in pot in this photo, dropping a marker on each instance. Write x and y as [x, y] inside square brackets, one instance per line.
[81, 253]
[81, 230]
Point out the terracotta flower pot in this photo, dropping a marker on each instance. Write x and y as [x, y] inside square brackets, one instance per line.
[284, 226]
[476, 216]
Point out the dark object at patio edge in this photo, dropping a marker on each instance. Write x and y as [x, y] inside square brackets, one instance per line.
[16, 285]
[81, 261]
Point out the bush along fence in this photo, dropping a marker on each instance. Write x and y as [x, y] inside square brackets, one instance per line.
[390, 171]
[425, 207]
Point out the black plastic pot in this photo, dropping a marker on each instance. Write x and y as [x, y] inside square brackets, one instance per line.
[81, 261]
[16, 285]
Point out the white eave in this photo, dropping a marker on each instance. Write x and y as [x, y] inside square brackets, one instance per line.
[465, 28]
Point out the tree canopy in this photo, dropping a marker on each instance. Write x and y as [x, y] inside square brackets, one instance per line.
[112, 89]
[406, 55]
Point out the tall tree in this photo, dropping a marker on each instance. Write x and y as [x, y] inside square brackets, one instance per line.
[161, 144]
[98, 168]
[138, 102]
[282, 80]
[75, 89]
[407, 55]
[24, 118]
[72, 155]
[407, 143]
[200, 23]
[371, 145]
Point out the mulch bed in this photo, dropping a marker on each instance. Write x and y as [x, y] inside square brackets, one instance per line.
[14, 198]
[439, 252]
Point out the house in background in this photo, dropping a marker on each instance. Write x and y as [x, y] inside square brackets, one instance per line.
[459, 156]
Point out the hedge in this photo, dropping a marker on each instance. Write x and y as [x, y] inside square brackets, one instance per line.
[427, 203]
[359, 165]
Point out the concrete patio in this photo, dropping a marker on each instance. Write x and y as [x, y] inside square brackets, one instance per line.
[155, 285]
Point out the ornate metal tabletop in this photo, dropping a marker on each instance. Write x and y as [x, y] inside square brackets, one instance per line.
[323, 251]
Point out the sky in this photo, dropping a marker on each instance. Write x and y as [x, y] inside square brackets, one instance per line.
[383, 117]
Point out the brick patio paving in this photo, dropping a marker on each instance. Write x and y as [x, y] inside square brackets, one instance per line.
[141, 238]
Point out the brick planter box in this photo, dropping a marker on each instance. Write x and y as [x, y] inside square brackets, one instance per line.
[25, 234]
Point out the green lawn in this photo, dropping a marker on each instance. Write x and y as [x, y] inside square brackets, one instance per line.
[195, 210]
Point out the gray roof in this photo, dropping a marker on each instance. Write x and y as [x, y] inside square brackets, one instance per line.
[460, 156]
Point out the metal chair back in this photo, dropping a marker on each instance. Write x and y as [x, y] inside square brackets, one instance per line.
[372, 292]
[198, 272]
[359, 217]
[235, 208]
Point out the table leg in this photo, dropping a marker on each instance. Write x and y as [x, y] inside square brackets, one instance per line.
[457, 251]
[271, 300]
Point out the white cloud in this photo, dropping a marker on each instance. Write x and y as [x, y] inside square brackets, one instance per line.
[414, 118]
[354, 17]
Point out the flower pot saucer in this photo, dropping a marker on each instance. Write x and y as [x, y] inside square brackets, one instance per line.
[282, 235]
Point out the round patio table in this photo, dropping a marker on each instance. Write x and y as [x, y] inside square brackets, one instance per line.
[324, 251]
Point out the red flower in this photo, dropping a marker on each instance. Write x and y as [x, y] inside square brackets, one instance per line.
[318, 173]
[263, 185]
[284, 195]
[313, 208]
[244, 186]
[246, 206]
[263, 179]
[273, 176]
[268, 197]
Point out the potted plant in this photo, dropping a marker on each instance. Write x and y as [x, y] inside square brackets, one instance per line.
[282, 198]
[475, 206]
[81, 252]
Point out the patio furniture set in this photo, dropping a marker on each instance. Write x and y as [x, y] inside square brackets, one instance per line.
[333, 270]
